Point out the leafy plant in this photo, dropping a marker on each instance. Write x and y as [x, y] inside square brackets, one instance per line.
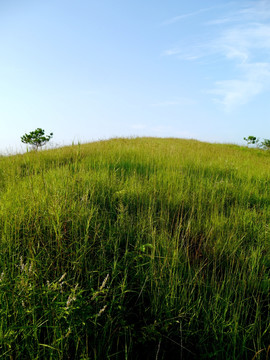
[252, 140]
[36, 138]
[266, 144]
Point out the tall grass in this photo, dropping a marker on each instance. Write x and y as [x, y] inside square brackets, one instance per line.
[135, 249]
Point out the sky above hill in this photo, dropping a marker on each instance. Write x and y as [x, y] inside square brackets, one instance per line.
[88, 70]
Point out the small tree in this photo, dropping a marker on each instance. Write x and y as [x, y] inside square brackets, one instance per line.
[36, 138]
[251, 140]
[265, 144]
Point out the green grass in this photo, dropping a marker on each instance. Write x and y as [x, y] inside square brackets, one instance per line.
[135, 249]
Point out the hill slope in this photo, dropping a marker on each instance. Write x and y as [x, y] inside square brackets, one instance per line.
[135, 248]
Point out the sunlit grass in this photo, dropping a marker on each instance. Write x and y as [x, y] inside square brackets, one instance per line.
[135, 249]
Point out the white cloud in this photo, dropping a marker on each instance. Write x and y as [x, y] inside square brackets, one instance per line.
[243, 42]
[184, 16]
[175, 102]
[185, 54]
[244, 45]
[236, 92]
[220, 21]
[194, 13]
[243, 39]
[255, 11]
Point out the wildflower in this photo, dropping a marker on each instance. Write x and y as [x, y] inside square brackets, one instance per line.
[22, 265]
[101, 310]
[30, 268]
[101, 287]
[62, 277]
[70, 299]
[104, 282]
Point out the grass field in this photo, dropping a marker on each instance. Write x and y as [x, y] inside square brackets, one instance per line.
[139, 248]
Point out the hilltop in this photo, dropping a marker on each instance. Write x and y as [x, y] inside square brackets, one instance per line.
[143, 248]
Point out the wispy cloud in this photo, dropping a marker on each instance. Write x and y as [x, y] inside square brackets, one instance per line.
[256, 11]
[177, 18]
[241, 37]
[244, 41]
[220, 21]
[174, 102]
[187, 15]
[235, 92]
[246, 45]
[186, 53]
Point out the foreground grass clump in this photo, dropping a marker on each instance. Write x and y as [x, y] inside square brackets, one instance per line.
[135, 249]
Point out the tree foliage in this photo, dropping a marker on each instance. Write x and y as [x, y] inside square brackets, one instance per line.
[36, 138]
[266, 144]
[251, 140]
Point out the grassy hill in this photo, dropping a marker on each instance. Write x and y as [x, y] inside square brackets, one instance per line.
[138, 248]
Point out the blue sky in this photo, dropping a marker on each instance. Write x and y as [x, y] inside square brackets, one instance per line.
[88, 70]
